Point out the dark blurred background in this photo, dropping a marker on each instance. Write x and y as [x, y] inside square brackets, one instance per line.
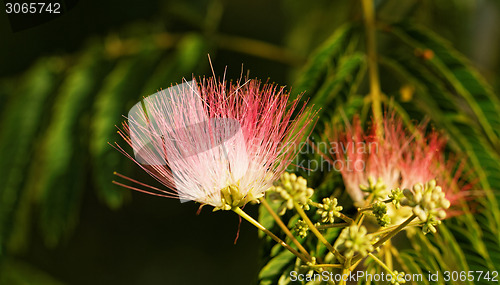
[65, 83]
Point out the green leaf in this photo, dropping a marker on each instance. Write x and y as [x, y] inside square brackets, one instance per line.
[409, 262]
[120, 87]
[460, 76]
[188, 58]
[316, 66]
[274, 268]
[20, 126]
[60, 173]
[343, 76]
[451, 249]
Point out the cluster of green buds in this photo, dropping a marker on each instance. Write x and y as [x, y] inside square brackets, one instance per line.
[379, 210]
[396, 196]
[291, 189]
[428, 202]
[329, 210]
[353, 240]
[397, 277]
[301, 228]
[375, 187]
[378, 190]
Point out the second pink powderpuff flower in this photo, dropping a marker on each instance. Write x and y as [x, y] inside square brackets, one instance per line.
[391, 156]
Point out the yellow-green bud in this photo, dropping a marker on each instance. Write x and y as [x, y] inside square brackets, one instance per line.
[329, 210]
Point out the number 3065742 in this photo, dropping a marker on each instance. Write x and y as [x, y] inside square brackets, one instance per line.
[32, 8]
[470, 276]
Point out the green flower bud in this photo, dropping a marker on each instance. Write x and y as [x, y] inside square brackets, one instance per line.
[396, 278]
[396, 196]
[289, 189]
[377, 187]
[384, 221]
[429, 203]
[353, 240]
[301, 228]
[329, 210]
[379, 209]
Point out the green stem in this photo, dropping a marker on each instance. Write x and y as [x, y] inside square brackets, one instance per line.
[361, 210]
[346, 219]
[251, 220]
[388, 236]
[394, 232]
[355, 264]
[395, 253]
[313, 228]
[325, 266]
[381, 263]
[388, 255]
[339, 225]
[359, 218]
[257, 48]
[345, 271]
[388, 229]
[371, 46]
[285, 229]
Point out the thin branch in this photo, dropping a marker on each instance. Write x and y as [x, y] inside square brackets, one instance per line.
[269, 233]
[285, 228]
[371, 46]
[388, 236]
[313, 228]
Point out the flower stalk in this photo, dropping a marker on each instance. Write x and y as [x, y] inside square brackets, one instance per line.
[313, 228]
[389, 235]
[252, 221]
[371, 46]
[285, 229]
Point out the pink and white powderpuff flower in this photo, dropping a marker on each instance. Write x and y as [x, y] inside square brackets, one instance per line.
[397, 156]
[216, 143]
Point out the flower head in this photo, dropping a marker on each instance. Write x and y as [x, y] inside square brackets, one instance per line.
[390, 156]
[353, 240]
[428, 203]
[328, 210]
[216, 143]
[290, 189]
